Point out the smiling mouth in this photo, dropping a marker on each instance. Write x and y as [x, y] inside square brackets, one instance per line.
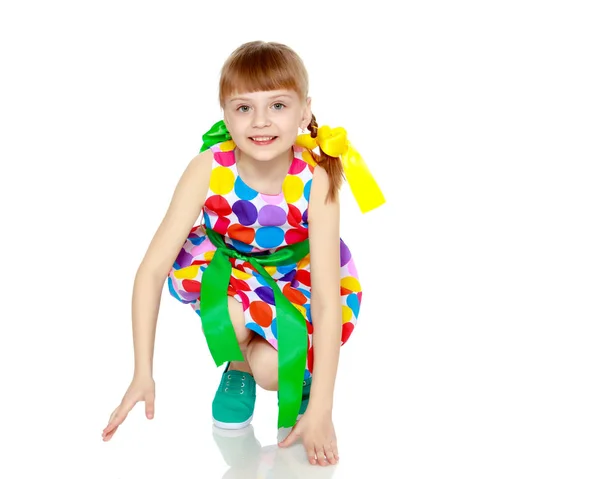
[262, 138]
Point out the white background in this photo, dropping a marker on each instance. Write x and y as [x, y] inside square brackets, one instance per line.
[476, 353]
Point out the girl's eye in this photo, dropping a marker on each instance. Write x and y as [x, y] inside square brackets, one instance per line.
[243, 108]
[279, 106]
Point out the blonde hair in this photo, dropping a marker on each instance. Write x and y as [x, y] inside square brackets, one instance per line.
[267, 66]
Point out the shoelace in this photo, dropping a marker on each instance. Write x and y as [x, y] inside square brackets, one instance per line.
[234, 383]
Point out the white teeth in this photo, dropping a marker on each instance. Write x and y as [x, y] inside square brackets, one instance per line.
[262, 138]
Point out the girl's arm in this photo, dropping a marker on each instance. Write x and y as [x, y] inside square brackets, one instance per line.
[185, 208]
[326, 311]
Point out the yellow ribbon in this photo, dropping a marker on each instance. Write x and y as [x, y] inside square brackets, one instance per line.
[333, 142]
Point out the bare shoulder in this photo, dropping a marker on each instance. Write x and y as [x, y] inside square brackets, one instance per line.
[184, 209]
[318, 192]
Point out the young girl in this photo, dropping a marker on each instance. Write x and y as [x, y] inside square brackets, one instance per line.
[267, 271]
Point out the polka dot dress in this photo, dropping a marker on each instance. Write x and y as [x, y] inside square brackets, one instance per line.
[254, 222]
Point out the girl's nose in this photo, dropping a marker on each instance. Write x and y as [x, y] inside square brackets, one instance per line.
[261, 119]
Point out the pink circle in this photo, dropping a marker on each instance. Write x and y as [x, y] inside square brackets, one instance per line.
[272, 199]
[297, 166]
[224, 158]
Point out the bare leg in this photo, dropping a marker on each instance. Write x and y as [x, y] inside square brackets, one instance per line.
[242, 333]
[261, 357]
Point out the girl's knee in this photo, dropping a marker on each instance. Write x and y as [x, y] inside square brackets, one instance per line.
[262, 358]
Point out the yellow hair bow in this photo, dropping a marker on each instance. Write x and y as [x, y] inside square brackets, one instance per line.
[333, 142]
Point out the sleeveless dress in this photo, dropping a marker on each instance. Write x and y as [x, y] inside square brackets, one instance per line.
[253, 222]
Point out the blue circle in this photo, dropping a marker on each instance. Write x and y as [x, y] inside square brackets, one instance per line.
[285, 269]
[207, 220]
[241, 247]
[353, 303]
[307, 189]
[256, 328]
[269, 236]
[305, 292]
[243, 191]
[196, 240]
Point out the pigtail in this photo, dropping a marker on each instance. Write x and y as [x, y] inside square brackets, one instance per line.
[332, 165]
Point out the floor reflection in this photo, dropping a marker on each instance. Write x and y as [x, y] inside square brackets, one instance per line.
[247, 459]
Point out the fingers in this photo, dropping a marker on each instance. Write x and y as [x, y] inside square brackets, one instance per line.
[289, 440]
[331, 455]
[149, 406]
[321, 457]
[116, 419]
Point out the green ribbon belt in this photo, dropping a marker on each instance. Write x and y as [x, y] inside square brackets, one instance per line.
[291, 323]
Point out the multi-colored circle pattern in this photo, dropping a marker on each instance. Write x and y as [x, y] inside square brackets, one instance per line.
[255, 222]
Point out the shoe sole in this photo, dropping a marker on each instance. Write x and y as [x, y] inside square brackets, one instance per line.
[232, 425]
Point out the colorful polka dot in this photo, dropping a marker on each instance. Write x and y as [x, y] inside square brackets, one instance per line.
[186, 273]
[261, 313]
[269, 236]
[306, 190]
[297, 166]
[241, 246]
[272, 199]
[346, 314]
[294, 216]
[271, 215]
[344, 254]
[243, 191]
[228, 146]
[266, 294]
[296, 235]
[350, 283]
[218, 205]
[293, 295]
[227, 157]
[241, 233]
[292, 188]
[221, 180]
[221, 225]
[245, 211]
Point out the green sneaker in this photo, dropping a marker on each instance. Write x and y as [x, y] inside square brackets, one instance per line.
[305, 396]
[233, 405]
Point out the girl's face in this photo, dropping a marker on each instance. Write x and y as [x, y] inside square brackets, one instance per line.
[264, 124]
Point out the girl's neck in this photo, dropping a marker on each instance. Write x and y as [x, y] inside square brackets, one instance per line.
[270, 174]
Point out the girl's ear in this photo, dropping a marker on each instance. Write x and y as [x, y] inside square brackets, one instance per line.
[306, 114]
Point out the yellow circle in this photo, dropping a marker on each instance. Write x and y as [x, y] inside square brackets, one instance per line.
[240, 274]
[350, 283]
[346, 314]
[271, 270]
[189, 272]
[221, 180]
[304, 262]
[300, 308]
[227, 145]
[293, 187]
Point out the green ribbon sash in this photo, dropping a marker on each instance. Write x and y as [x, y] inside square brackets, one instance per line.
[291, 323]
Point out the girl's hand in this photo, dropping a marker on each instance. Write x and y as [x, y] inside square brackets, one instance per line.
[140, 389]
[318, 436]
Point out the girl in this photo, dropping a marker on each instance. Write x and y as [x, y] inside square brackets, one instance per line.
[268, 307]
